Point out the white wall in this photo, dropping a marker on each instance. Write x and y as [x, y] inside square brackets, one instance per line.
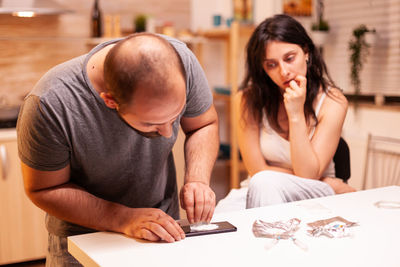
[381, 71]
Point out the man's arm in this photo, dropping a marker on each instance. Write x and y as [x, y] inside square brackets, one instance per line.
[201, 150]
[54, 193]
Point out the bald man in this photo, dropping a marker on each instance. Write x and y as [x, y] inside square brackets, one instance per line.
[95, 139]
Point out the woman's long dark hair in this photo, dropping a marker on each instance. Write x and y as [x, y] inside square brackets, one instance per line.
[260, 93]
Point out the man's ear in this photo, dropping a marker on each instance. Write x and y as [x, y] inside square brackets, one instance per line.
[109, 100]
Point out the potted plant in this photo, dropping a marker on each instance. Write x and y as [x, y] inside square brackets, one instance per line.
[320, 28]
[140, 23]
[359, 50]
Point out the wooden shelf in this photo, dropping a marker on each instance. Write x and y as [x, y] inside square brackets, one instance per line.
[231, 37]
[226, 33]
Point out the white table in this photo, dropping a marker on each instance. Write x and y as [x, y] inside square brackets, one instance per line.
[376, 242]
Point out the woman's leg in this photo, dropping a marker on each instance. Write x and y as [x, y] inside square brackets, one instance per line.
[271, 187]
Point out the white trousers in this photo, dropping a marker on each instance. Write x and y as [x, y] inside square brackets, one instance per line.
[271, 187]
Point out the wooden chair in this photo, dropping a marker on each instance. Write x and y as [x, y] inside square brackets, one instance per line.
[382, 162]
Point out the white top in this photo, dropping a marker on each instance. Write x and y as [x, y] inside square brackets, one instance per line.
[276, 149]
[375, 242]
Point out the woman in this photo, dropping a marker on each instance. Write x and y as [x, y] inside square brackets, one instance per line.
[292, 117]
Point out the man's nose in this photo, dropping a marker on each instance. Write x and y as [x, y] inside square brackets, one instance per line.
[165, 130]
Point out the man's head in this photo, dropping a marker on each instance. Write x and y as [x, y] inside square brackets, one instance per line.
[145, 82]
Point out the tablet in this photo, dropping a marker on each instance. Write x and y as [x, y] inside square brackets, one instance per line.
[219, 227]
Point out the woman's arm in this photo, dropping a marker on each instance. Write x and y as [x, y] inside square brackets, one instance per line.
[329, 129]
[249, 141]
[311, 157]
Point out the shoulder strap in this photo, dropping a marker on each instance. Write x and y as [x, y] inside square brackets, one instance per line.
[321, 100]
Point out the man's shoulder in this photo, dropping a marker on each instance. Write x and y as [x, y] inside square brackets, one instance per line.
[173, 41]
[68, 69]
[183, 51]
[61, 76]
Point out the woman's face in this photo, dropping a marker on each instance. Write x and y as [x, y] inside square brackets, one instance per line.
[284, 61]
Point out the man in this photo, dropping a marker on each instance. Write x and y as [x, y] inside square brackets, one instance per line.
[95, 138]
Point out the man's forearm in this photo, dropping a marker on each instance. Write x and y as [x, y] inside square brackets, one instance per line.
[73, 204]
[201, 150]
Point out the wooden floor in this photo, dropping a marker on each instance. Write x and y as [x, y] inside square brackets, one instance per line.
[38, 263]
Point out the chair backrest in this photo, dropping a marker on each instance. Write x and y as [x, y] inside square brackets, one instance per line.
[342, 161]
[382, 162]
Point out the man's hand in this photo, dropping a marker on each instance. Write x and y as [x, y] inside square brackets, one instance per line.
[338, 185]
[295, 96]
[152, 224]
[198, 200]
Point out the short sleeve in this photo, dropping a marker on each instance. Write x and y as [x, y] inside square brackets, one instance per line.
[199, 97]
[41, 142]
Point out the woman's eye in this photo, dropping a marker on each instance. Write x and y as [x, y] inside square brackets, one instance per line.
[270, 65]
[290, 59]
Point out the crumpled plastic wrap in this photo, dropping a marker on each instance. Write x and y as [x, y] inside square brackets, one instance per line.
[278, 230]
[333, 227]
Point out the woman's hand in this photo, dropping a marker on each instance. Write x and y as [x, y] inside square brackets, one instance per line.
[295, 97]
[338, 185]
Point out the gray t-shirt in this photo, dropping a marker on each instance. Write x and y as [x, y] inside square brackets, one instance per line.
[64, 121]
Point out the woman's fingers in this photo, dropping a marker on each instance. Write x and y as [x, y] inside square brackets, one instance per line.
[301, 81]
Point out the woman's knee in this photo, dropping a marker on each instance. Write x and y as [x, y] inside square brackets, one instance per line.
[265, 188]
[266, 179]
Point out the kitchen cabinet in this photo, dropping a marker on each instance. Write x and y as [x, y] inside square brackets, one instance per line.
[23, 235]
